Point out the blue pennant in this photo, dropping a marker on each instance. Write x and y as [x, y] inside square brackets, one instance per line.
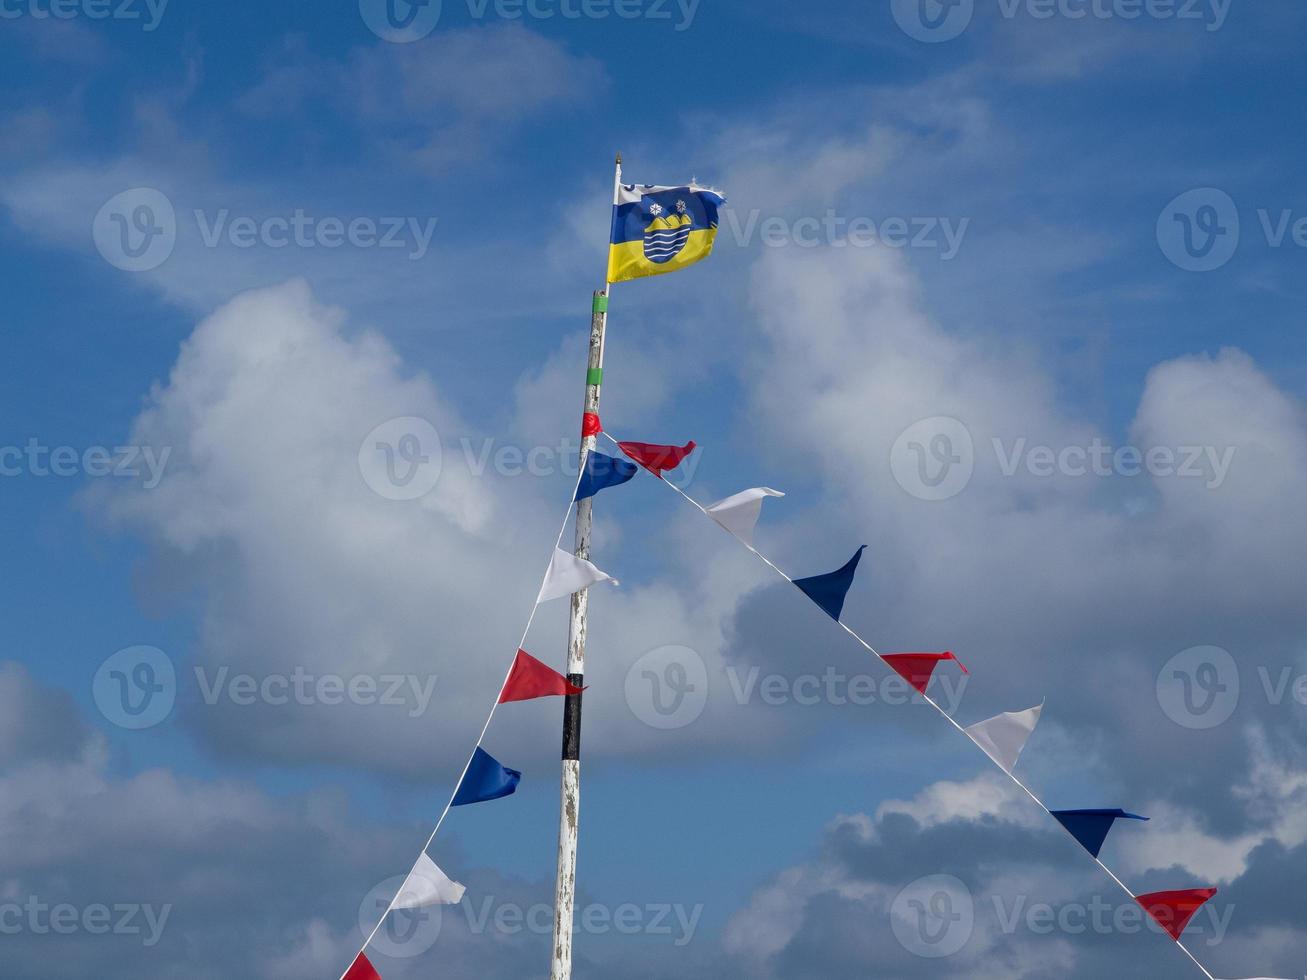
[1090, 827]
[829, 590]
[485, 779]
[602, 472]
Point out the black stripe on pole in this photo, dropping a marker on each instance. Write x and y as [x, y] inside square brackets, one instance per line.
[572, 720]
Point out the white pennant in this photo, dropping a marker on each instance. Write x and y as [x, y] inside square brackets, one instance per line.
[568, 574]
[428, 885]
[739, 513]
[1004, 736]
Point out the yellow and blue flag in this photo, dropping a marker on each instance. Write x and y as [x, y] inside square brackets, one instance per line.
[661, 229]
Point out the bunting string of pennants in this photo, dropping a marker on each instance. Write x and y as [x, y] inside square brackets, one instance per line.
[658, 229]
[1002, 738]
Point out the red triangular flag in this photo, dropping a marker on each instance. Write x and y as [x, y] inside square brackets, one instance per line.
[529, 679]
[916, 668]
[655, 459]
[361, 970]
[1173, 910]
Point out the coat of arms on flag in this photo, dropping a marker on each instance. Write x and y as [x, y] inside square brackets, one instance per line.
[661, 229]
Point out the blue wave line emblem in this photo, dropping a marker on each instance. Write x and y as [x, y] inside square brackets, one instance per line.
[666, 235]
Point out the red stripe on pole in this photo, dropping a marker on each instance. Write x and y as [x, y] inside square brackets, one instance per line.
[590, 425]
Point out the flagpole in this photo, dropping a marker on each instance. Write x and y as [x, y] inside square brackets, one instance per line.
[570, 809]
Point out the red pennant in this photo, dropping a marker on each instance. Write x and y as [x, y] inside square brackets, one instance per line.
[654, 458]
[1173, 910]
[530, 679]
[917, 668]
[590, 425]
[361, 970]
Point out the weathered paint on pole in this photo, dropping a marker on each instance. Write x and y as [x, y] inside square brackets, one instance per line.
[570, 816]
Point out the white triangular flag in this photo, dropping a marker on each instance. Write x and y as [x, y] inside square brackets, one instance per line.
[428, 885]
[739, 513]
[1004, 736]
[568, 574]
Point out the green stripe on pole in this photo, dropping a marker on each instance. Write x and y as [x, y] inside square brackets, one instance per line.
[594, 376]
[600, 304]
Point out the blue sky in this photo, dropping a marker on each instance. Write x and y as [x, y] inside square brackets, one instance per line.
[973, 232]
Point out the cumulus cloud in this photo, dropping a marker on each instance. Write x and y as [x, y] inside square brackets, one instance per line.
[36, 722]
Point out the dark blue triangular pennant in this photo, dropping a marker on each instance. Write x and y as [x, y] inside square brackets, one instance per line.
[829, 590]
[485, 779]
[602, 472]
[1090, 827]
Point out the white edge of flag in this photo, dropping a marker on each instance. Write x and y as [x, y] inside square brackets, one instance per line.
[1004, 736]
[568, 574]
[426, 885]
[739, 512]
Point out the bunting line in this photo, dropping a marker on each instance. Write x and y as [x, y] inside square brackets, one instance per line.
[928, 699]
[361, 960]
